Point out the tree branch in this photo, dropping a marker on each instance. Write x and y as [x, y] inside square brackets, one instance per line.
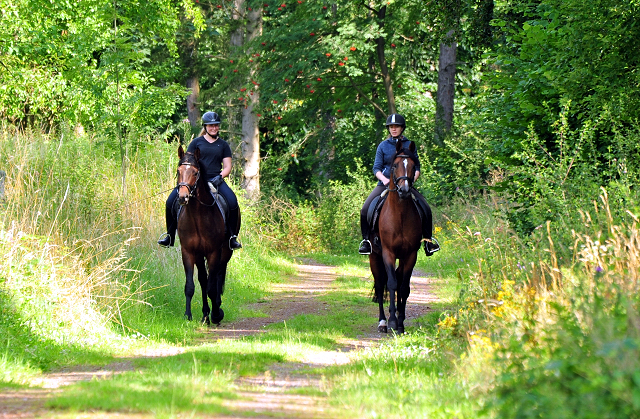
[370, 8]
[375, 105]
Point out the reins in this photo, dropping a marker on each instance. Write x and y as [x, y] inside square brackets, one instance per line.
[148, 197]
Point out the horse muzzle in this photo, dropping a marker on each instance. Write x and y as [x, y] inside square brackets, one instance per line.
[183, 200]
[404, 189]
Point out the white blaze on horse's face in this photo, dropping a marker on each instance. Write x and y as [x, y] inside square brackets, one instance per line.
[184, 185]
[405, 185]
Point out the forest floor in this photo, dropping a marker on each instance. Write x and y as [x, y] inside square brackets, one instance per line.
[271, 395]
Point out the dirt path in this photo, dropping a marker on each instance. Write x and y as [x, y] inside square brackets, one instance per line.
[269, 395]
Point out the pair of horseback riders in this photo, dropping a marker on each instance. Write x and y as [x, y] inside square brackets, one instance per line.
[215, 161]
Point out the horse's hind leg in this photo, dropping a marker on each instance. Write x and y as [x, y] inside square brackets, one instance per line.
[379, 285]
[202, 279]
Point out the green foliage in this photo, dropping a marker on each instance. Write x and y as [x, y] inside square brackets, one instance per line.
[562, 105]
[586, 366]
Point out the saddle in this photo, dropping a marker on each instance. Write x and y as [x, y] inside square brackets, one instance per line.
[218, 200]
[373, 213]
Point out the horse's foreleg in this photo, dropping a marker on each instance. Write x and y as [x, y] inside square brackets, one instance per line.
[202, 279]
[214, 288]
[189, 286]
[389, 261]
[405, 269]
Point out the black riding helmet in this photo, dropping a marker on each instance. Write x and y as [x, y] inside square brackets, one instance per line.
[396, 119]
[211, 118]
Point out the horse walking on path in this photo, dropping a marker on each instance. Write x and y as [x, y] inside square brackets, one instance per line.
[201, 229]
[399, 233]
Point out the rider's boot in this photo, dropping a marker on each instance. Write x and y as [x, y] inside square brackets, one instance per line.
[365, 247]
[365, 244]
[234, 244]
[168, 239]
[431, 246]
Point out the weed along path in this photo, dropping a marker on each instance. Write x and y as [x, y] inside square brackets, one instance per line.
[313, 320]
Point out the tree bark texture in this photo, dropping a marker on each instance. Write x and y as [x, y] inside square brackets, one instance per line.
[446, 88]
[384, 69]
[193, 109]
[250, 131]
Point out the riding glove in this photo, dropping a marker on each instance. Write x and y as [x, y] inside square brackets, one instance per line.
[217, 181]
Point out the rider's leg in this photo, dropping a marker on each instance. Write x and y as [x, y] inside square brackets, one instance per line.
[169, 238]
[233, 221]
[365, 245]
[430, 244]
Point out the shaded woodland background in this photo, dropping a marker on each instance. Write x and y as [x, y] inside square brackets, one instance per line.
[535, 99]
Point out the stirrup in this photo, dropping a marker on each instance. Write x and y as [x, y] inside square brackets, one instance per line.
[234, 238]
[362, 250]
[428, 250]
[162, 240]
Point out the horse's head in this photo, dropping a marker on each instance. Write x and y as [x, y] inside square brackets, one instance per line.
[188, 174]
[403, 170]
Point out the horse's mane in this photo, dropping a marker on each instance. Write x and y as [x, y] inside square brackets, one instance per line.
[413, 156]
[189, 158]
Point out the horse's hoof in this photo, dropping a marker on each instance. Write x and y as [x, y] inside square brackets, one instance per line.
[218, 319]
[188, 317]
[400, 330]
[393, 325]
[382, 329]
[205, 320]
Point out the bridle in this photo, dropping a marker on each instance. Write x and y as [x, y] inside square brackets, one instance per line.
[397, 179]
[190, 187]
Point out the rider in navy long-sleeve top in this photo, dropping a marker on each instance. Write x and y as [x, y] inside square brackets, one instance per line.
[382, 170]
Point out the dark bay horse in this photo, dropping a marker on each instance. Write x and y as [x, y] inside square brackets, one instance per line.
[399, 231]
[201, 230]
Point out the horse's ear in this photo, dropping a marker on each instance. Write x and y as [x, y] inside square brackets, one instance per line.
[197, 154]
[412, 147]
[398, 146]
[180, 152]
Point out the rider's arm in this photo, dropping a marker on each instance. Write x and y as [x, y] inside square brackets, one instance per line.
[415, 178]
[226, 167]
[382, 178]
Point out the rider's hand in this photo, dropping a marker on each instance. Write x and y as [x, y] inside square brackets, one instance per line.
[217, 181]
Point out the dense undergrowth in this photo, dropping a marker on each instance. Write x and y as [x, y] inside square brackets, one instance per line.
[544, 325]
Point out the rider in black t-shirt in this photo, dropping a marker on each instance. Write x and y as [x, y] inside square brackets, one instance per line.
[215, 165]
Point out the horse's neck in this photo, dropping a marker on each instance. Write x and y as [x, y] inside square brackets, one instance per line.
[203, 194]
[395, 201]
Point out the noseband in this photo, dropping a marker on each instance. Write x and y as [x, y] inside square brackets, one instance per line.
[191, 188]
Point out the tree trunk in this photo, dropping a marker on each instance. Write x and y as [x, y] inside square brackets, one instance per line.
[446, 88]
[234, 115]
[250, 132]
[382, 61]
[193, 110]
